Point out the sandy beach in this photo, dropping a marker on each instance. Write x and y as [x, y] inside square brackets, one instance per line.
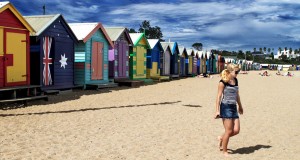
[171, 120]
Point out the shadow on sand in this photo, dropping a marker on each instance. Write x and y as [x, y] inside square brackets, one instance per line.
[89, 109]
[251, 149]
[69, 96]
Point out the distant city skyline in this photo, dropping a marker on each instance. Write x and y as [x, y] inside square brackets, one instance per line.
[218, 24]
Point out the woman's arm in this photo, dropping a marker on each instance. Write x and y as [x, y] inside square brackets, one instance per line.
[219, 95]
[240, 107]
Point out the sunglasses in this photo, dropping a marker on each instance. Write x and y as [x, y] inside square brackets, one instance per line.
[237, 72]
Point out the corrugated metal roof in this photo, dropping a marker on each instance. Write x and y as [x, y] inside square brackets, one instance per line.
[114, 32]
[152, 42]
[2, 4]
[40, 22]
[81, 30]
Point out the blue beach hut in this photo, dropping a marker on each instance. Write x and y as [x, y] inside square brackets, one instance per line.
[51, 52]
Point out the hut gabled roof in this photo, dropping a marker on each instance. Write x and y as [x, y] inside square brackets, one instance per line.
[182, 50]
[42, 22]
[114, 33]
[154, 42]
[173, 46]
[84, 31]
[190, 52]
[136, 37]
[7, 5]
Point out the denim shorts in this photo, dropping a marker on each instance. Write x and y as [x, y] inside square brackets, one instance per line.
[228, 111]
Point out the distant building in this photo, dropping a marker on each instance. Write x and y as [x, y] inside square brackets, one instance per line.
[287, 53]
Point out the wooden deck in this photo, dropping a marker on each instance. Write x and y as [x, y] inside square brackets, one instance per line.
[129, 82]
[21, 93]
[174, 76]
[160, 78]
[102, 86]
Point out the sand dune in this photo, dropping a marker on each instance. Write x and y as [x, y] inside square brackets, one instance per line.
[171, 120]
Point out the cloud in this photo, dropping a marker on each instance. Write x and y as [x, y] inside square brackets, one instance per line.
[252, 22]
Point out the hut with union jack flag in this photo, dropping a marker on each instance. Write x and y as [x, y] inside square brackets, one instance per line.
[52, 52]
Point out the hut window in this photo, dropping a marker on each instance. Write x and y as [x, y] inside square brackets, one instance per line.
[53, 26]
[126, 63]
[116, 52]
[58, 35]
[116, 63]
[116, 73]
[127, 73]
[126, 53]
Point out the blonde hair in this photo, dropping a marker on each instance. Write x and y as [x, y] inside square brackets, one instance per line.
[225, 74]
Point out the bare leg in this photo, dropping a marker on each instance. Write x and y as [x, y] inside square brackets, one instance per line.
[236, 129]
[229, 126]
[220, 142]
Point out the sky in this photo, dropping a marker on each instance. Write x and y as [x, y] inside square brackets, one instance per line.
[218, 24]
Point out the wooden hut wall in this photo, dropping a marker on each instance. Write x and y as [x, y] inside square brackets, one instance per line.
[166, 62]
[60, 60]
[119, 66]
[14, 48]
[174, 61]
[182, 65]
[153, 61]
[190, 61]
[95, 69]
[194, 65]
[138, 60]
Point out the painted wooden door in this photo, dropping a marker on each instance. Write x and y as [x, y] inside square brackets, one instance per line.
[161, 62]
[97, 61]
[1, 59]
[195, 65]
[167, 62]
[190, 64]
[182, 60]
[15, 65]
[140, 56]
[122, 49]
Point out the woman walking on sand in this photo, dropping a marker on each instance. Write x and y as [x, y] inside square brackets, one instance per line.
[226, 105]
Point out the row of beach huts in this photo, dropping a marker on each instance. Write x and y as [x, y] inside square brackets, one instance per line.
[44, 53]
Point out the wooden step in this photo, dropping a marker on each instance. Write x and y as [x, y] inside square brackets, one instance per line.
[25, 99]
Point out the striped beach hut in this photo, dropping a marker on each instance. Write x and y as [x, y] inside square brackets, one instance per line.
[118, 56]
[91, 55]
[52, 52]
[137, 60]
[154, 54]
[165, 61]
[182, 56]
[14, 47]
[190, 61]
